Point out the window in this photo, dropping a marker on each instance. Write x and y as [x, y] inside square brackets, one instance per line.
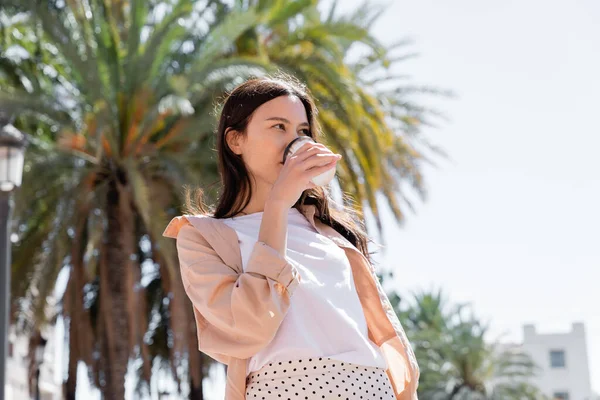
[561, 396]
[557, 359]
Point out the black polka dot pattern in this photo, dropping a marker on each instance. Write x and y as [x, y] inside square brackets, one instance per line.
[318, 378]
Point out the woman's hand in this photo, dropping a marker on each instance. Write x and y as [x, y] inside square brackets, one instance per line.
[312, 159]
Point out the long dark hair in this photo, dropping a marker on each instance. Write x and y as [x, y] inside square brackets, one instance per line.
[237, 110]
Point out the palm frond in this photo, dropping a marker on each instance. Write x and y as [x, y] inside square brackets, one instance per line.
[222, 36]
[36, 104]
[154, 50]
[282, 11]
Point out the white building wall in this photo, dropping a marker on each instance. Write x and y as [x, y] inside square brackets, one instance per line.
[574, 377]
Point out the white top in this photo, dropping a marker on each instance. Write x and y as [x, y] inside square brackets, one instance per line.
[325, 318]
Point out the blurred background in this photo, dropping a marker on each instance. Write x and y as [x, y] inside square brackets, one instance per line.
[470, 136]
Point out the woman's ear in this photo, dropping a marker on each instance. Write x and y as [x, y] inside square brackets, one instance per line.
[232, 138]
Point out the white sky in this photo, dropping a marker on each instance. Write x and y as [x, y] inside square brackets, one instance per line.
[512, 223]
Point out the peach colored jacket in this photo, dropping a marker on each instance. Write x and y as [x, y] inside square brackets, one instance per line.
[238, 313]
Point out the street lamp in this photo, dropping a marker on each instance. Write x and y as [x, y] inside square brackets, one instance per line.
[39, 358]
[12, 148]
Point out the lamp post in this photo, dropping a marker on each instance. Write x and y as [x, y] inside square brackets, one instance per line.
[39, 358]
[12, 149]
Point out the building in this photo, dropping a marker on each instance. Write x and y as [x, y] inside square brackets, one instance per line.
[17, 382]
[563, 360]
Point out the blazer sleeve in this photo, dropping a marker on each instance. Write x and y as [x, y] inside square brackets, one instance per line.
[243, 310]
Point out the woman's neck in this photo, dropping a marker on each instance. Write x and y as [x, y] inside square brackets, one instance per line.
[260, 196]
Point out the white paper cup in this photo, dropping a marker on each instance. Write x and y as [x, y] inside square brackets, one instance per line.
[319, 180]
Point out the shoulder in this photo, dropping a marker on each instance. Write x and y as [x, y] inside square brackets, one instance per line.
[177, 223]
[201, 232]
[194, 238]
[185, 224]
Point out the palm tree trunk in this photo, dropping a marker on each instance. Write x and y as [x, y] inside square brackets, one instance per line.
[70, 386]
[196, 365]
[116, 286]
[80, 331]
[196, 391]
[179, 321]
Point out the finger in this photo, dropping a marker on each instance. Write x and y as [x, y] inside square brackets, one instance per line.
[319, 159]
[314, 152]
[307, 153]
[302, 149]
[299, 157]
[315, 171]
[309, 146]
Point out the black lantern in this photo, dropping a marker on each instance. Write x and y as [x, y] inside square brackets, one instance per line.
[12, 151]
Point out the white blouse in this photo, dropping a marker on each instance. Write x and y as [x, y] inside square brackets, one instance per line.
[325, 318]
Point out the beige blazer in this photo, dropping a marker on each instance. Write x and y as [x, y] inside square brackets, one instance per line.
[237, 313]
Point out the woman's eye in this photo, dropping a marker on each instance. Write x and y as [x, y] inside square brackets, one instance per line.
[305, 132]
[280, 126]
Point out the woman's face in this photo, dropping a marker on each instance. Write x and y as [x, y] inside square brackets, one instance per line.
[271, 127]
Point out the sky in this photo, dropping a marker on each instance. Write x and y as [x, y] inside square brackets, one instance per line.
[512, 220]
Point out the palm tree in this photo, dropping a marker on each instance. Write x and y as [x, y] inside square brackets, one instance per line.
[456, 360]
[119, 98]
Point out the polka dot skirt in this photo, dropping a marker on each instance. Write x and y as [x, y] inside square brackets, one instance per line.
[317, 379]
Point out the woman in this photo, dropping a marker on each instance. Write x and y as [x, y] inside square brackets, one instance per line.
[281, 281]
